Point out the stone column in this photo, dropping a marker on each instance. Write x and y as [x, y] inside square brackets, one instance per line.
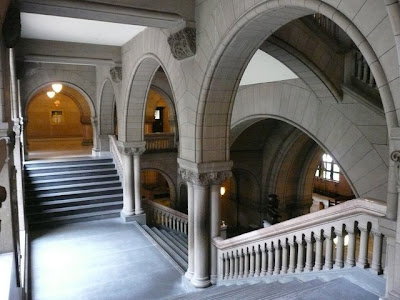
[186, 176]
[215, 229]
[132, 210]
[292, 255]
[200, 277]
[137, 152]
[95, 149]
[376, 266]
[318, 251]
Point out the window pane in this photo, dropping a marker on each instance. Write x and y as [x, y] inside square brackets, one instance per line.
[325, 174]
[328, 158]
[336, 176]
[328, 166]
[317, 173]
[336, 168]
[324, 157]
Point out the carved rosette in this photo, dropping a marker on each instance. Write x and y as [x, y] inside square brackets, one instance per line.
[116, 74]
[183, 43]
[210, 178]
[395, 156]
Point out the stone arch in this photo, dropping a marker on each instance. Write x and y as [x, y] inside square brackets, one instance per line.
[364, 167]
[171, 184]
[30, 86]
[241, 38]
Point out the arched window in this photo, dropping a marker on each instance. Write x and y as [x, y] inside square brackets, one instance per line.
[327, 169]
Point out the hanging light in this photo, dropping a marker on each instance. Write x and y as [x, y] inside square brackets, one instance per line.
[51, 94]
[57, 87]
[222, 190]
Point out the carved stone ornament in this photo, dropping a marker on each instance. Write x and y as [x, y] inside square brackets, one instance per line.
[131, 150]
[12, 26]
[395, 156]
[204, 178]
[116, 74]
[183, 43]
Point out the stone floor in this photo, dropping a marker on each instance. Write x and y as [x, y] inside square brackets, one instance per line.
[104, 259]
[57, 148]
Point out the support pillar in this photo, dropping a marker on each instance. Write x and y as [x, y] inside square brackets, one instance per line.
[190, 270]
[215, 229]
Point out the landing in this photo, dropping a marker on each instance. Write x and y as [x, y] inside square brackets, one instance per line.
[103, 259]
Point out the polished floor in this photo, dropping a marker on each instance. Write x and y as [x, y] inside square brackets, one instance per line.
[104, 259]
[57, 148]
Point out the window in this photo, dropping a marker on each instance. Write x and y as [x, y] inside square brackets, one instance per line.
[327, 169]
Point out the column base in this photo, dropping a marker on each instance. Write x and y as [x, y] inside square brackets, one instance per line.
[362, 265]
[213, 279]
[141, 219]
[139, 212]
[189, 275]
[96, 152]
[200, 282]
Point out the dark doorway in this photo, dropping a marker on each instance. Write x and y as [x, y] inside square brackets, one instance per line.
[158, 119]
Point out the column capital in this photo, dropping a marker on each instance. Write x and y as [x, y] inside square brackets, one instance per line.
[116, 74]
[204, 178]
[131, 148]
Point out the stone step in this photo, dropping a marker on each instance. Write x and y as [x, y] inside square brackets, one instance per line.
[179, 237]
[33, 178]
[69, 168]
[73, 195]
[74, 219]
[40, 206]
[29, 165]
[175, 241]
[72, 210]
[33, 191]
[168, 250]
[72, 181]
[171, 244]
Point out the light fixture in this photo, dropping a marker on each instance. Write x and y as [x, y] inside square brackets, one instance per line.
[57, 87]
[51, 94]
[222, 190]
[57, 103]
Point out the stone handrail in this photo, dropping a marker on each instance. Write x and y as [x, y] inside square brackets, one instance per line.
[297, 245]
[165, 216]
[116, 155]
[160, 141]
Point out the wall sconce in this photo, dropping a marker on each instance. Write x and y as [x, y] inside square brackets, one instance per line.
[57, 103]
[51, 94]
[57, 87]
[222, 190]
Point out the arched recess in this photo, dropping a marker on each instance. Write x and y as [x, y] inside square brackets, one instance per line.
[236, 48]
[62, 123]
[332, 126]
[132, 123]
[151, 189]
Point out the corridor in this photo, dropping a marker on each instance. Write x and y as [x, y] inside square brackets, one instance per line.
[103, 259]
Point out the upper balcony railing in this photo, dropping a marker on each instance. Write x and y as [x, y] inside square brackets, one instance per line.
[156, 142]
[307, 243]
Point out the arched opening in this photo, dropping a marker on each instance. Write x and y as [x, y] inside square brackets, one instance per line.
[271, 156]
[182, 204]
[158, 187]
[60, 125]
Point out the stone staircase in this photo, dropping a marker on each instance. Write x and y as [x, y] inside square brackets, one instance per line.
[315, 289]
[69, 191]
[172, 244]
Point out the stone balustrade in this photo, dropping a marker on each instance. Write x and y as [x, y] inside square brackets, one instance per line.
[361, 69]
[160, 142]
[327, 25]
[308, 243]
[164, 216]
[116, 155]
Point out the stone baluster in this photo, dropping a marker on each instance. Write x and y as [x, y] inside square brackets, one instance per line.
[284, 247]
[277, 268]
[363, 254]
[252, 257]
[371, 81]
[359, 65]
[339, 262]
[258, 262]
[292, 255]
[270, 247]
[376, 264]
[366, 70]
[328, 250]
[300, 254]
[226, 266]
[246, 263]
[351, 247]
[231, 265]
[263, 260]
[309, 252]
[318, 251]
[241, 264]
[237, 266]
[221, 267]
